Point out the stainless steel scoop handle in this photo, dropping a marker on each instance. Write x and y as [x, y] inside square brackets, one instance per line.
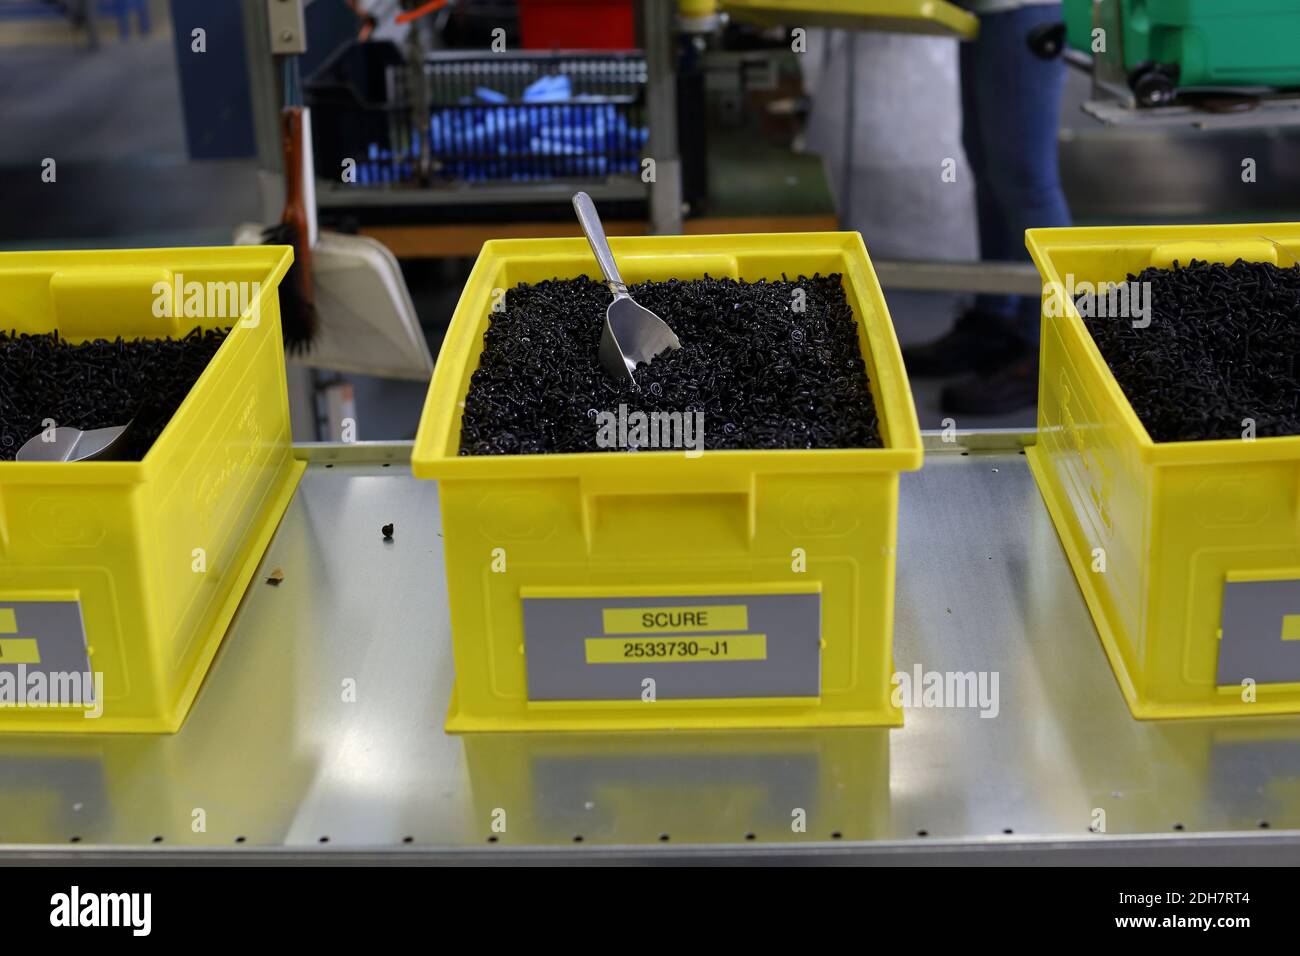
[595, 232]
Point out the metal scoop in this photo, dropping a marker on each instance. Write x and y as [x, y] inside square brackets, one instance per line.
[632, 333]
[72, 444]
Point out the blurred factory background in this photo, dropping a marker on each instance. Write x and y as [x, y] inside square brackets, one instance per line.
[158, 142]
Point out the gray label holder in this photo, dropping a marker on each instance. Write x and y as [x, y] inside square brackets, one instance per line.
[556, 630]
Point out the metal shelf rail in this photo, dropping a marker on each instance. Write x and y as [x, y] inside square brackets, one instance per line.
[318, 735]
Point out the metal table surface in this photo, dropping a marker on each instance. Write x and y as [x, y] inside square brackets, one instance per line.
[318, 734]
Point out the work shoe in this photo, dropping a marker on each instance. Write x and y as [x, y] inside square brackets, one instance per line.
[1007, 389]
[977, 342]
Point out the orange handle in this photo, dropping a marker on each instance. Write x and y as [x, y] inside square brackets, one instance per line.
[295, 208]
[421, 10]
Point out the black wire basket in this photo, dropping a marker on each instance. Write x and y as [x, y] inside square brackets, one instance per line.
[518, 117]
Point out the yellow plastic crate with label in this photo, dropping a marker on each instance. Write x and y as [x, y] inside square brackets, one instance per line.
[616, 591]
[1187, 552]
[118, 578]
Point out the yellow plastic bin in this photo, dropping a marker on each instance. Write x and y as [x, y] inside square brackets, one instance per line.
[779, 562]
[1188, 553]
[934, 17]
[130, 571]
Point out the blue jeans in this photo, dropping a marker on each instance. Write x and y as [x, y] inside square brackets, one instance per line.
[1011, 111]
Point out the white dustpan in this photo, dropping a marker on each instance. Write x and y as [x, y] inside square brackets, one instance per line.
[366, 321]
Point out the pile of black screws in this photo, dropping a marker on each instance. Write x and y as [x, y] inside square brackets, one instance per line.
[1221, 349]
[770, 364]
[97, 384]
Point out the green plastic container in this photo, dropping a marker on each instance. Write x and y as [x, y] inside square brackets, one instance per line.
[1078, 24]
[1203, 42]
[1136, 22]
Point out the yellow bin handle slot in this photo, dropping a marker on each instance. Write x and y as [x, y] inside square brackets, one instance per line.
[727, 508]
[133, 302]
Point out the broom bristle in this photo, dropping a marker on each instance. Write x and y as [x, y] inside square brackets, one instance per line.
[298, 317]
